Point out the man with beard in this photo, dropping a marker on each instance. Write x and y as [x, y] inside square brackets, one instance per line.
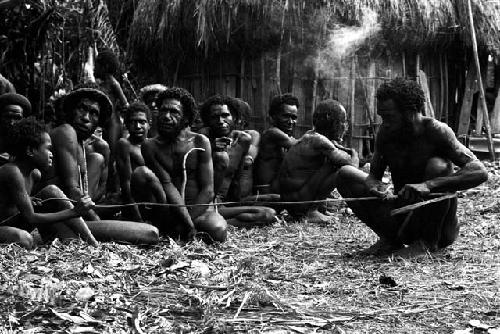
[310, 168]
[179, 171]
[148, 95]
[13, 107]
[419, 152]
[128, 152]
[275, 142]
[233, 155]
[77, 173]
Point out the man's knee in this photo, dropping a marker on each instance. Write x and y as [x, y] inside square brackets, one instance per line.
[51, 191]
[347, 176]
[437, 167]
[145, 175]
[213, 224]
[96, 159]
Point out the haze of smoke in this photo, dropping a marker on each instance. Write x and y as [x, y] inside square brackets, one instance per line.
[344, 41]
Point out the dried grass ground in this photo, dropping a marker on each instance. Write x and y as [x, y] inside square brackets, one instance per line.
[292, 277]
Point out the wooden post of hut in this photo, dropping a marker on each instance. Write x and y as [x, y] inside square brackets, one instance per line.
[352, 99]
[482, 98]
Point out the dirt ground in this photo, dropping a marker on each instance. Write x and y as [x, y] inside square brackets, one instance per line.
[292, 277]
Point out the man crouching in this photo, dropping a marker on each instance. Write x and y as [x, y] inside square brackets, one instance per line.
[419, 152]
[310, 169]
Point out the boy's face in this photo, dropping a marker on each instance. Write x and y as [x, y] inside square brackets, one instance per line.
[286, 119]
[10, 115]
[42, 155]
[221, 121]
[138, 126]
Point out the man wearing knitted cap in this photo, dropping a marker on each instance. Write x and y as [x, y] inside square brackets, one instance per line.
[310, 168]
[13, 107]
[148, 95]
[419, 152]
[77, 172]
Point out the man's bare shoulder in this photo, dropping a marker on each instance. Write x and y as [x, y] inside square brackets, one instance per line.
[123, 145]
[200, 140]
[438, 131]
[63, 131]
[273, 132]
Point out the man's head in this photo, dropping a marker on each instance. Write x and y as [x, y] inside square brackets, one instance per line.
[244, 111]
[106, 62]
[85, 109]
[399, 101]
[219, 114]
[13, 107]
[137, 121]
[149, 93]
[30, 141]
[330, 119]
[284, 112]
[176, 110]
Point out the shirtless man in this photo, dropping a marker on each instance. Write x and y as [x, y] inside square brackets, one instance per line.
[164, 180]
[148, 95]
[419, 152]
[13, 107]
[77, 173]
[275, 142]
[128, 152]
[233, 156]
[30, 144]
[310, 168]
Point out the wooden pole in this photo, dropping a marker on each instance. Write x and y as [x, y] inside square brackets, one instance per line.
[482, 99]
[403, 60]
[263, 91]
[353, 98]
[242, 77]
[417, 67]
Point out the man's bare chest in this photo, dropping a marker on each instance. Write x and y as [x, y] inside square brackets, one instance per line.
[174, 158]
[409, 156]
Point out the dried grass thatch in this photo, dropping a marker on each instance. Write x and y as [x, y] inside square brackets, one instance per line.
[180, 27]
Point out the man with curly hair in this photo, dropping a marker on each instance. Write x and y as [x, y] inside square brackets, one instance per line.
[77, 170]
[233, 153]
[30, 145]
[419, 152]
[179, 171]
[275, 142]
[310, 168]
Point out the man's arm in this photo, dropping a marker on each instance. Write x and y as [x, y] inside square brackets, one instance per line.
[253, 150]
[205, 176]
[148, 150]
[124, 168]
[15, 185]
[118, 91]
[65, 146]
[472, 172]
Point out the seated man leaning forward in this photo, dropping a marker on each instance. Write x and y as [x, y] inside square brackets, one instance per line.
[77, 173]
[233, 159]
[310, 169]
[275, 142]
[419, 152]
[178, 171]
[30, 145]
[128, 153]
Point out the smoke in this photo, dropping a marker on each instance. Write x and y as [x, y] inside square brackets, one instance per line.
[344, 41]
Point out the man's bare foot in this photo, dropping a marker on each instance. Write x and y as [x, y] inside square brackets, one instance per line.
[416, 249]
[314, 216]
[382, 247]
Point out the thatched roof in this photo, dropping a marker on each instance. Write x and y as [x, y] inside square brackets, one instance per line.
[181, 27]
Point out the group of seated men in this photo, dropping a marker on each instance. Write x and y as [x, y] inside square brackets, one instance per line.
[199, 182]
